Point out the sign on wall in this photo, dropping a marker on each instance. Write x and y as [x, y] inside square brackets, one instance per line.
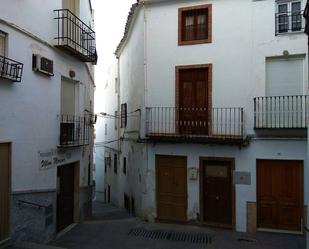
[52, 158]
[243, 178]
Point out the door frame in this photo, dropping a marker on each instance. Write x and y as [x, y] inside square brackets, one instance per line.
[201, 194]
[157, 192]
[302, 193]
[9, 143]
[76, 194]
[177, 88]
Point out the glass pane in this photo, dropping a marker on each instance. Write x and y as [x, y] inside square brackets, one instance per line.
[189, 20]
[283, 8]
[201, 19]
[283, 23]
[296, 7]
[217, 171]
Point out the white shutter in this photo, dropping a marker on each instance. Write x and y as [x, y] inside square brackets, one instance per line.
[67, 97]
[284, 76]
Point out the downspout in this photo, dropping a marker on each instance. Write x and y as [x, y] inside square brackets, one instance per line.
[145, 103]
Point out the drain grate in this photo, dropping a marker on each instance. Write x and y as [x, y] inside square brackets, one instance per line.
[199, 238]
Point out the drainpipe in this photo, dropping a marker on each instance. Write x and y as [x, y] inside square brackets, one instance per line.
[145, 103]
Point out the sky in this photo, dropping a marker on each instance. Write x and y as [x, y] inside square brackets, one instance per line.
[110, 20]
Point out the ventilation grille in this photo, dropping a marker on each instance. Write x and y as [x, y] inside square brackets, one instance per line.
[198, 238]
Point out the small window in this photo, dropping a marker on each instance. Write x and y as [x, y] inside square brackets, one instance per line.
[195, 25]
[115, 163]
[116, 85]
[289, 17]
[3, 37]
[116, 119]
[125, 165]
[123, 116]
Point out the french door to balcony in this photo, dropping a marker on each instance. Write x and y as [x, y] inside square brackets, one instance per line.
[194, 103]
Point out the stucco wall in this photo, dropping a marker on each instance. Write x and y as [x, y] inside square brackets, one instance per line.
[243, 35]
[245, 161]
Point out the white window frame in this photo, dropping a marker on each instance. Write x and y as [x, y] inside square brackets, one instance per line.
[289, 16]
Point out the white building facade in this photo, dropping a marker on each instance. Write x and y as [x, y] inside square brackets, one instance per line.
[212, 116]
[47, 57]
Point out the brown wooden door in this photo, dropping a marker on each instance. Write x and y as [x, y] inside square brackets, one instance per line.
[5, 169]
[193, 103]
[217, 191]
[171, 173]
[65, 196]
[280, 194]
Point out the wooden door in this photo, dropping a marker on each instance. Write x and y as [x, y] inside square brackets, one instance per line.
[171, 173]
[194, 102]
[280, 194]
[5, 169]
[65, 196]
[217, 192]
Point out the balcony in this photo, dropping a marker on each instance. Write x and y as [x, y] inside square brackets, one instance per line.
[74, 36]
[281, 112]
[289, 22]
[74, 131]
[10, 69]
[172, 124]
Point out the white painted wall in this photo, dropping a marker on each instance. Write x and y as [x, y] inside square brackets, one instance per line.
[103, 145]
[243, 34]
[28, 110]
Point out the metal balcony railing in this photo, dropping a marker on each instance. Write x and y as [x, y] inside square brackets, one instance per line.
[74, 131]
[74, 36]
[289, 22]
[281, 112]
[190, 123]
[10, 69]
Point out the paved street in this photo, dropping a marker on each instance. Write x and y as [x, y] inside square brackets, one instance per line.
[109, 228]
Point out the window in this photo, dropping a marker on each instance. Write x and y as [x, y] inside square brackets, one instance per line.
[195, 25]
[116, 119]
[125, 165]
[115, 163]
[2, 43]
[123, 116]
[116, 85]
[289, 17]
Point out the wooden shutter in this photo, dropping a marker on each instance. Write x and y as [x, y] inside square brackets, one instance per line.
[67, 98]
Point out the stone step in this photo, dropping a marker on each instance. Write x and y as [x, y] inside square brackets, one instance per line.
[31, 245]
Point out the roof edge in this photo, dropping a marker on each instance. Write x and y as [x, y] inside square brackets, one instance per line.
[128, 25]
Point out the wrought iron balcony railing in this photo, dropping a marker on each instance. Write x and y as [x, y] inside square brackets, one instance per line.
[281, 112]
[10, 69]
[74, 36]
[74, 131]
[289, 22]
[219, 124]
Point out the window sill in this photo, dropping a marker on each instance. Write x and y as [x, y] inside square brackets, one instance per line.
[290, 33]
[194, 42]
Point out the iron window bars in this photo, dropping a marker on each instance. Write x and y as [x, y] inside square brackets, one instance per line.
[10, 69]
[281, 112]
[75, 36]
[289, 22]
[74, 131]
